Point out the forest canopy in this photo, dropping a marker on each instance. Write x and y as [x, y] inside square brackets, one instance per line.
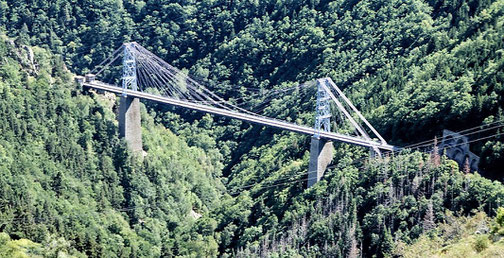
[211, 186]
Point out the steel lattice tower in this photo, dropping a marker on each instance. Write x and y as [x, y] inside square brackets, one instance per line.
[323, 110]
[129, 78]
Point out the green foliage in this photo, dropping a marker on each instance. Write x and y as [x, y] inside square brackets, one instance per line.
[22, 248]
[464, 236]
[498, 228]
[68, 182]
[379, 205]
[413, 68]
[481, 243]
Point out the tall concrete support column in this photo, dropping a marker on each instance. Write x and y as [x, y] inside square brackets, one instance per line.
[321, 154]
[129, 123]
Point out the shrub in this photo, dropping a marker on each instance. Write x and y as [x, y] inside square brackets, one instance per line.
[481, 243]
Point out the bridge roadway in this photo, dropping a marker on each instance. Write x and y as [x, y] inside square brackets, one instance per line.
[237, 115]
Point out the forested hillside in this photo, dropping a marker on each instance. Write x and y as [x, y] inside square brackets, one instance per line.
[68, 183]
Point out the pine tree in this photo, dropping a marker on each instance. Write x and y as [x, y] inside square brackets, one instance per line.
[428, 221]
[467, 167]
[387, 243]
[354, 251]
[23, 37]
[436, 159]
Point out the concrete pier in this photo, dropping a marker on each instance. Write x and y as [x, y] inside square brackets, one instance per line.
[321, 154]
[129, 123]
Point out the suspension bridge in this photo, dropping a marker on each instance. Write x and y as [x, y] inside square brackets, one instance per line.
[146, 76]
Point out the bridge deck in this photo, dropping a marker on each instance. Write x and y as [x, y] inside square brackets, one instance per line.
[237, 115]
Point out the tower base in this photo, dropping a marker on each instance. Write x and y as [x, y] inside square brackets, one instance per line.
[321, 154]
[130, 127]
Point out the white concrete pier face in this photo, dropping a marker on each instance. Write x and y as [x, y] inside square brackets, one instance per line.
[129, 123]
[321, 154]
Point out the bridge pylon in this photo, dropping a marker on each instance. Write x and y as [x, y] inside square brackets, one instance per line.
[321, 150]
[321, 154]
[130, 127]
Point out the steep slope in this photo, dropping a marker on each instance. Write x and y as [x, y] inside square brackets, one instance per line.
[65, 173]
[414, 67]
[366, 209]
[472, 236]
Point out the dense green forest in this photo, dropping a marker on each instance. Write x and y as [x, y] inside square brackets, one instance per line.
[210, 186]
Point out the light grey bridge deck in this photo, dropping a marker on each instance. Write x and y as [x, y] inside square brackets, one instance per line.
[237, 115]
